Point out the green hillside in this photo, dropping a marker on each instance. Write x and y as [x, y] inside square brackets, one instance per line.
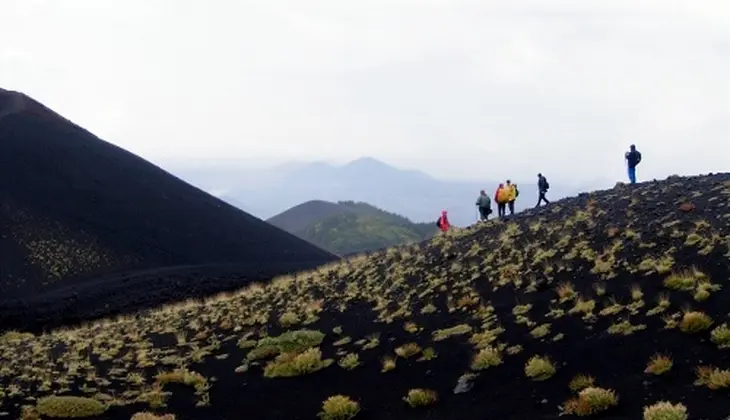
[348, 227]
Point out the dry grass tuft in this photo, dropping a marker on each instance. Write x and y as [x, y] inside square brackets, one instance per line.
[694, 321]
[539, 368]
[339, 407]
[408, 350]
[580, 382]
[486, 358]
[296, 364]
[664, 410]
[721, 336]
[590, 401]
[69, 406]
[421, 397]
[659, 364]
[712, 378]
[151, 416]
[388, 364]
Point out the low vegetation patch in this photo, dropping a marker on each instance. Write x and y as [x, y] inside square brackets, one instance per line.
[421, 397]
[295, 364]
[486, 358]
[659, 364]
[590, 401]
[539, 368]
[664, 410]
[69, 407]
[339, 407]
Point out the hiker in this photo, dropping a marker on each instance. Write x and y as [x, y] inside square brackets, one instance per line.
[542, 186]
[633, 157]
[485, 206]
[501, 196]
[513, 194]
[443, 222]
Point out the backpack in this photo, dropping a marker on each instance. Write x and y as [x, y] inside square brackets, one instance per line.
[517, 192]
[545, 184]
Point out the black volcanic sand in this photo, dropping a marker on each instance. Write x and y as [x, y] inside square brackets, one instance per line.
[601, 243]
[74, 208]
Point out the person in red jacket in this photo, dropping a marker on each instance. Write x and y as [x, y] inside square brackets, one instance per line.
[443, 222]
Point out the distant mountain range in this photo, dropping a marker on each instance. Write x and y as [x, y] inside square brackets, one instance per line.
[413, 194]
[349, 227]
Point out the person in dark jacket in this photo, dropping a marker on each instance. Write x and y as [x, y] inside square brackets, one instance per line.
[633, 157]
[542, 186]
[485, 205]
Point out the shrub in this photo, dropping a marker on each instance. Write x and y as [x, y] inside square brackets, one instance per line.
[721, 336]
[539, 368]
[421, 397]
[388, 364]
[580, 382]
[287, 319]
[339, 407]
[151, 416]
[440, 335]
[408, 350]
[350, 361]
[541, 331]
[486, 358]
[713, 378]
[694, 321]
[591, 400]
[682, 280]
[665, 411]
[69, 406]
[291, 341]
[293, 364]
[659, 364]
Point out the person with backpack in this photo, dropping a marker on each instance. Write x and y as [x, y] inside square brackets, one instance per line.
[542, 186]
[443, 222]
[633, 157]
[513, 194]
[501, 196]
[485, 206]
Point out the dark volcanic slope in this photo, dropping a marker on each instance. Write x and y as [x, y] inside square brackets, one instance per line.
[594, 285]
[73, 207]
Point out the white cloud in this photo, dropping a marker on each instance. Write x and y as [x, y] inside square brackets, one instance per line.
[458, 88]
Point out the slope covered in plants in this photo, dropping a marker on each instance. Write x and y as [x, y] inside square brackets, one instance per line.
[349, 227]
[611, 304]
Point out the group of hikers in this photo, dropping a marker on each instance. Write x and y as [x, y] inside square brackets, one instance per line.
[507, 194]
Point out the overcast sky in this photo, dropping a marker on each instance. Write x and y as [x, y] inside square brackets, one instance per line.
[460, 89]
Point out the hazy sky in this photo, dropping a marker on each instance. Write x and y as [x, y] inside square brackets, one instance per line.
[455, 88]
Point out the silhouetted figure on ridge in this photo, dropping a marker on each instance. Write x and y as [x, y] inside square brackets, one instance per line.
[443, 222]
[633, 157]
[542, 186]
[485, 206]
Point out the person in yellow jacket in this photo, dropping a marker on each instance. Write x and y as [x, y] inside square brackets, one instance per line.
[512, 194]
[501, 197]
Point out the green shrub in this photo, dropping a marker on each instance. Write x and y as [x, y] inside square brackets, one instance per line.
[665, 411]
[539, 368]
[590, 401]
[69, 407]
[421, 397]
[693, 322]
[721, 336]
[486, 358]
[295, 364]
[339, 407]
